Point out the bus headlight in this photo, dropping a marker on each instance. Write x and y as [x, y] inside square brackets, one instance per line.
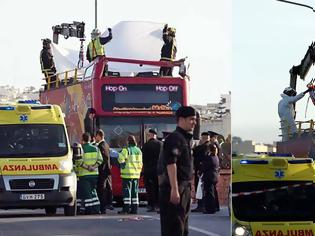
[66, 165]
[241, 230]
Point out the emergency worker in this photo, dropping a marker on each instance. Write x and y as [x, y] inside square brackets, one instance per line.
[104, 181]
[130, 160]
[169, 49]
[87, 172]
[210, 173]
[47, 63]
[151, 151]
[175, 170]
[286, 112]
[198, 152]
[95, 47]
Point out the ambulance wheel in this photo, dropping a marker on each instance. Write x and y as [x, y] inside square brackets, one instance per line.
[70, 210]
[50, 210]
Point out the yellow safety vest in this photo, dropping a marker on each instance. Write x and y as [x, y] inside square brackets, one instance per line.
[91, 156]
[131, 161]
[96, 48]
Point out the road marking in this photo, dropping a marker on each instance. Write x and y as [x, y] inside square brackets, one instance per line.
[204, 231]
[195, 229]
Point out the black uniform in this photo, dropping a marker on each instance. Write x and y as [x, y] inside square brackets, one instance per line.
[48, 65]
[198, 153]
[150, 156]
[210, 173]
[176, 149]
[104, 181]
[168, 52]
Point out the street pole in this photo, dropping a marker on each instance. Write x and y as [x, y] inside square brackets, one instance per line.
[95, 14]
[298, 4]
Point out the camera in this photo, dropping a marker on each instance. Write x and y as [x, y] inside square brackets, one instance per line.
[75, 29]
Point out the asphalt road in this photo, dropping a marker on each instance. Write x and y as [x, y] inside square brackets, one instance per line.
[35, 223]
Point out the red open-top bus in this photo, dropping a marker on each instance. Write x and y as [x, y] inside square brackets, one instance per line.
[124, 105]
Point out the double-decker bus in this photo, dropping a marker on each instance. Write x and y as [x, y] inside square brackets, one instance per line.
[124, 105]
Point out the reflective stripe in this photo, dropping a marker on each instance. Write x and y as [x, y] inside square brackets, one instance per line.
[92, 204]
[91, 199]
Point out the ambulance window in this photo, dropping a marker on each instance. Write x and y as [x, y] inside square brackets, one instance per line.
[33, 140]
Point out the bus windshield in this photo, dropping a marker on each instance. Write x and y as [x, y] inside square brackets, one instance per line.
[117, 129]
[33, 140]
[279, 201]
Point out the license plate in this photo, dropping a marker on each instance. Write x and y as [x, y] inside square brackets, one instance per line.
[142, 190]
[32, 196]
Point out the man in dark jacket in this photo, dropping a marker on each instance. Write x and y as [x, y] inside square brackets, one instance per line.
[210, 175]
[47, 63]
[150, 156]
[175, 170]
[198, 153]
[169, 49]
[89, 122]
[104, 182]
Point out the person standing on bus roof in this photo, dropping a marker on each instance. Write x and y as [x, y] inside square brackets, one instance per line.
[175, 172]
[151, 151]
[286, 112]
[104, 181]
[95, 47]
[130, 160]
[169, 49]
[47, 62]
[87, 172]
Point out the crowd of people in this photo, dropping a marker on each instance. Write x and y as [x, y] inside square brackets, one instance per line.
[168, 168]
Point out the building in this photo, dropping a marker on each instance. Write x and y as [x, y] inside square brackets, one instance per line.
[216, 116]
[10, 93]
[248, 147]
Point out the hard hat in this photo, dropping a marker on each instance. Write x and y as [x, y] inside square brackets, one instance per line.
[289, 91]
[77, 151]
[46, 41]
[171, 30]
[95, 32]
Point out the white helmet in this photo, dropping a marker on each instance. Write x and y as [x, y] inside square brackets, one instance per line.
[289, 91]
[95, 33]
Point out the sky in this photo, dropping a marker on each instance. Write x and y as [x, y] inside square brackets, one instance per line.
[203, 35]
[268, 38]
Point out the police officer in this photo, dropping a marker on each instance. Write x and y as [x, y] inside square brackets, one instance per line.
[95, 47]
[198, 153]
[87, 172]
[47, 63]
[169, 49]
[175, 169]
[151, 151]
[130, 160]
[210, 174]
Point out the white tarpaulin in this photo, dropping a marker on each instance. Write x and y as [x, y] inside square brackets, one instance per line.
[131, 40]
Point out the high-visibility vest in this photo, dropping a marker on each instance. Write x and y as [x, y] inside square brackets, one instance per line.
[91, 156]
[130, 159]
[96, 48]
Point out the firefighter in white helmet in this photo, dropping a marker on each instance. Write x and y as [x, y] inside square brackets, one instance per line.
[95, 47]
[286, 112]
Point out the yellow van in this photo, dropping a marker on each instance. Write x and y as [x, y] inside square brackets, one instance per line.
[36, 168]
[273, 196]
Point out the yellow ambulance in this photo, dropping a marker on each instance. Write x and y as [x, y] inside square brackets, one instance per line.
[273, 196]
[36, 168]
